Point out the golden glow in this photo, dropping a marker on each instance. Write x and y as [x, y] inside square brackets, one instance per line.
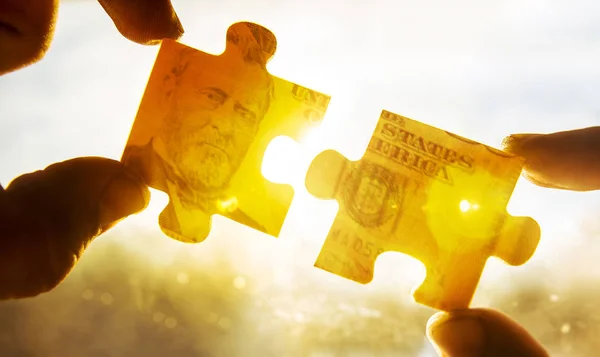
[444, 200]
[239, 282]
[88, 294]
[353, 58]
[228, 205]
[158, 317]
[286, 161]
[465, 206]
[106, 299]
[400, 188]
[183, 278]
[170, 322]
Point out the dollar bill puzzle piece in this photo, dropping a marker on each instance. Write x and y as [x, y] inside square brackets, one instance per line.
[203, 126]
[427, 193]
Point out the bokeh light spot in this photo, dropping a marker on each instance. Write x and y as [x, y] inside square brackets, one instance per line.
[170, 322]
[106, 299]
[212, 318]
[239, 282]
[158, 317]
[224, 323]
[228, 205]
[464, 205]
[87, 294]
[183, 278]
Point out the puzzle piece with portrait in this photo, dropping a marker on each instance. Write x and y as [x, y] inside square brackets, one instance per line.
[427, 193]
[202, 128]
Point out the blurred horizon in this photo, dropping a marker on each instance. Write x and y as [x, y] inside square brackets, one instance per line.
[480, 69]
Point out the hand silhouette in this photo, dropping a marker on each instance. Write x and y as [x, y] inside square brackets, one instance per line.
[48, 217]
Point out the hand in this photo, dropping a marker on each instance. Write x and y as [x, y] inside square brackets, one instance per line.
[568, 160]
[48, 218]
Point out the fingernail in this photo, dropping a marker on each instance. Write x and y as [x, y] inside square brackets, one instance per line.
[178, 27]
[175, 28]
[174, 32]
[125, 194]
[514, 142]
[457, 335]
[522, 145]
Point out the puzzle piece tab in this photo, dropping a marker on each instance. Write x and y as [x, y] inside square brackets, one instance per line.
[425, 192]
[203, 126]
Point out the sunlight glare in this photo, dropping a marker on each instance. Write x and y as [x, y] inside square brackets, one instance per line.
[394, 270]
[228, 205]
[465, 205]
[287, 161]
[347, 128]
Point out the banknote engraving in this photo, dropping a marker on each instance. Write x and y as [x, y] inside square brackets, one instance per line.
[394, 141]
[317, 102]
[352, 240]
[371, 194]
[203, 126]
[421, 191]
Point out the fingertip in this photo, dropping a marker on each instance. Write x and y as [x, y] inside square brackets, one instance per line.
[566, 160]
[433, 321]
[124, 195]
[516, 144]
[431, 325]
[146, 22]
[459, 333]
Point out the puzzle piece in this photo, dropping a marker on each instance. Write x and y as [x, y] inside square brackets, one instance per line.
[203, 126]
[425, 192]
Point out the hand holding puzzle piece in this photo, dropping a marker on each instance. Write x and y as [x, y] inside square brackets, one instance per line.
[205, 122]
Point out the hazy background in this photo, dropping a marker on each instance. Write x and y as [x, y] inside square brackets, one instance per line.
[482, 69]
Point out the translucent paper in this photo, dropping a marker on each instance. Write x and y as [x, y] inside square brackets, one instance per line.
[427, 193]
[203, 126]
[205, 122]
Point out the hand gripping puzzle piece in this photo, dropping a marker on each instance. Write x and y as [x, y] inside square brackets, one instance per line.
[203, 126]
[425, 192]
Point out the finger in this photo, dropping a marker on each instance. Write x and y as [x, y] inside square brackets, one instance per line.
[49, 217]
[481, 333]
[567, 160]
[144, 21]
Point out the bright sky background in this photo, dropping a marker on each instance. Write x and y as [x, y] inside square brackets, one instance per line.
[481, 69]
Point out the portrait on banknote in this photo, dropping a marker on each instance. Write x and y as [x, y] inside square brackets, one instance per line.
[202, 129]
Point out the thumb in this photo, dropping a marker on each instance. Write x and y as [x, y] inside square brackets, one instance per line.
[48, 218]
[481, 333]
[144, 21]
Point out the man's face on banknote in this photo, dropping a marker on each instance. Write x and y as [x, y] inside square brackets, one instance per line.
[214, 117]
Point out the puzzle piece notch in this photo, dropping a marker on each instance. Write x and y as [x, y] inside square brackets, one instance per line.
[427, 193]
[203, 125]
